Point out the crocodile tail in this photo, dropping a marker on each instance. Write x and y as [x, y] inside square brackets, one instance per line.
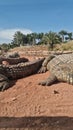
[67, 73]
[66, 77]
[70, 78]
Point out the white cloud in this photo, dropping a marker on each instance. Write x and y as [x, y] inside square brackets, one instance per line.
[6, 35]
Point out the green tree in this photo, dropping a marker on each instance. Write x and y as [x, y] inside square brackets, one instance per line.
[18, 38]
[34, 37]
[53, 38]
[45, 40]
[39, 37]
[29, 39]
[70, 36]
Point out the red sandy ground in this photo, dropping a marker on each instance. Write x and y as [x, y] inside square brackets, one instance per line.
[29, 106]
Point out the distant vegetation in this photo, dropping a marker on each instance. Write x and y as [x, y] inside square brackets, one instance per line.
[54, 41]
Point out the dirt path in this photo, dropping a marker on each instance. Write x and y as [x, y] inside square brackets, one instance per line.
[27, 104]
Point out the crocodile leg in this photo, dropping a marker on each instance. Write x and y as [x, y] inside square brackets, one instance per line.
[49, 81]
[43, 68]
[4, 82]
[4, 85]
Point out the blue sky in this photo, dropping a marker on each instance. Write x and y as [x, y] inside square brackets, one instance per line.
[34, 16]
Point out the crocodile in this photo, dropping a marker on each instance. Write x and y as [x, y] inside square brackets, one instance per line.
[13, 60]
[16, 71]
[60, 67]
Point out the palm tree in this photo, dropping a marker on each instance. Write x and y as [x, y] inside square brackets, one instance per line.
[53, 38]
[18, 38]
[34, 37]
[39, 37]
[70, 36]
[45, 40]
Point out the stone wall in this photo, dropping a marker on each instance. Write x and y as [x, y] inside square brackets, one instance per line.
[43, 53]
